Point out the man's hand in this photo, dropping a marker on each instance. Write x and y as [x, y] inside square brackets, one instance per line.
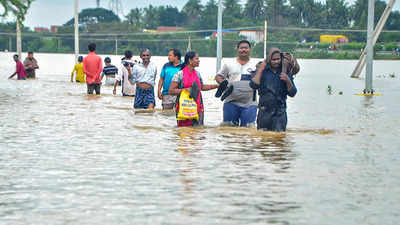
[114, 91]
[160, 95]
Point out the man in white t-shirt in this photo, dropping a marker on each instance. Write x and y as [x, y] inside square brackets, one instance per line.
[128, 88]
[240, 105]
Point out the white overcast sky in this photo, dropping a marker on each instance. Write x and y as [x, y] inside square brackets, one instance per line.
[44, 13]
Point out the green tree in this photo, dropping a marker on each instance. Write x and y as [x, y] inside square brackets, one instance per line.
[277, 12]
[135, 17]
[192, 10]
[255, 9]
[359, 13]
[17, 7]
[337, 14]
[95, 15]
[151, 17]
[170, 16]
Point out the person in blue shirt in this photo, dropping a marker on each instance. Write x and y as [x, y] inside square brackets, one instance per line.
[273, 87]
[167, 73]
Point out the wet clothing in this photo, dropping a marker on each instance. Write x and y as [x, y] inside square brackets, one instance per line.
[93, 87]
[80, 76]
[108, 71]
[21, 73]
[168, 71]
[92, 67]
[144, 97]
[239, 116]
[168, 101]
[142, 74]
[239, 76]
[128, 88]
[185, 79]
[30, 72]
[272, 101]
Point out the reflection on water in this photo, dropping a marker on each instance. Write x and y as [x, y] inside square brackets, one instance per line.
[70, 158]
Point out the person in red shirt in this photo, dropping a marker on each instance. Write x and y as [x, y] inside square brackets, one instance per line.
[20, 70]
[92, 67]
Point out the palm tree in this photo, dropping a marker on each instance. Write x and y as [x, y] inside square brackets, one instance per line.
[193, 10]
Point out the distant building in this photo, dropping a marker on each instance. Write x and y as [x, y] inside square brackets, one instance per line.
[253, 35]
[162, 29]
[41, 29]
[223, 32]
[54, 29]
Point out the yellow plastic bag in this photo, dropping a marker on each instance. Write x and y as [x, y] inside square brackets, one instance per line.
[187, 107]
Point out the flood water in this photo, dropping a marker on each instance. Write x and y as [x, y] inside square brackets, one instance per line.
[69, 158]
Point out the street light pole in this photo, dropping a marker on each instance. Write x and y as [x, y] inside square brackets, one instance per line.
[76, 26]
[219, 35]
[370, 48]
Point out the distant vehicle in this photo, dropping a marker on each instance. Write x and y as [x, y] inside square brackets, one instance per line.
[333, 39]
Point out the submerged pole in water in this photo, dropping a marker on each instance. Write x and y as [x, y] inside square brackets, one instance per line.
[19, 42]
[265, 39]
[76, 26]
[370, 48]
[219, 35]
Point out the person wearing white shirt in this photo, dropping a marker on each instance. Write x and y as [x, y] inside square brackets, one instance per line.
[128, 88]
[144, 76]
[240, 106]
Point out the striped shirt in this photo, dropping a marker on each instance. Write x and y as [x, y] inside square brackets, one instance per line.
[110, 70]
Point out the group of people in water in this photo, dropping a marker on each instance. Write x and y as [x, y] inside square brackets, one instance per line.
[237, 84]
[26, 69]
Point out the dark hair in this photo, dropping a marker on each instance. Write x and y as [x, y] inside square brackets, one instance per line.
[243, 41]
[80, 58]
[128, 54]
[16, 55]
[92, 47]
[30, 52]
[176, 52]
[188, 56]
[107, 60]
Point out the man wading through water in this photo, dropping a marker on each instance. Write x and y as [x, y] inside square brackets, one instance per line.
[273, 86]
[240, 106]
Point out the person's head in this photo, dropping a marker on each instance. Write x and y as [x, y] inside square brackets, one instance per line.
[174, 55]
[107, 60]
[92, 47]
[80, 59]
[16, 58]
[30, 55]
[192, 59]
[128, 55]
[274, 58]
[145, 55]
[243, 49]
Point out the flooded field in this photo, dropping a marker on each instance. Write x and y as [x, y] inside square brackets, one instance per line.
[69, 158]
